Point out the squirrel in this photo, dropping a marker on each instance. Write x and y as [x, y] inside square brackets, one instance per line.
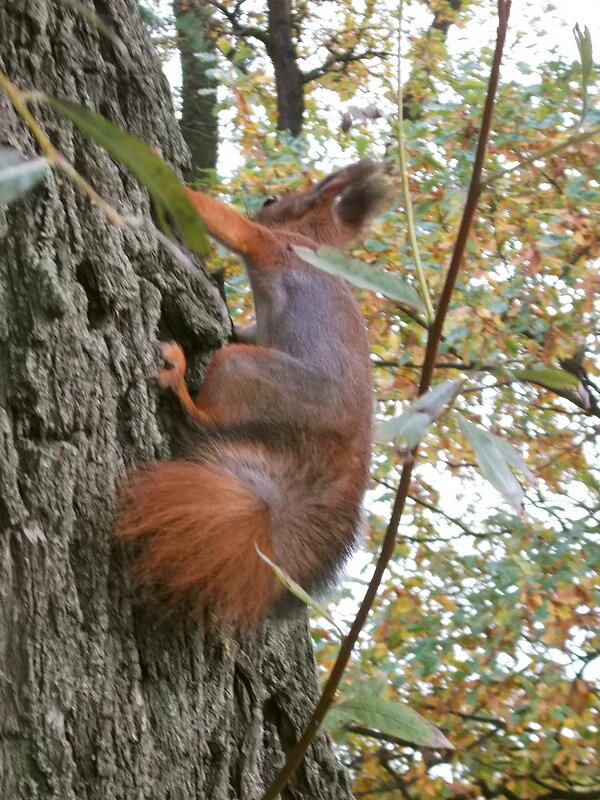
[281, 441]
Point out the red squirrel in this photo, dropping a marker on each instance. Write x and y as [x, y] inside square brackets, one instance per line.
[281, 454]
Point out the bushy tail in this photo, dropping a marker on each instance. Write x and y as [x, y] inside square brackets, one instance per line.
[200, 528]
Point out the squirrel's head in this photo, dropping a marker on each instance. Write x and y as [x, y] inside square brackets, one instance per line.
[332, 211]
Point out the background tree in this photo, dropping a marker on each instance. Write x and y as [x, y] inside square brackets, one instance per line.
[285, 39]
[197, 53]
[331, 46]
[103, 696]
[283, 32]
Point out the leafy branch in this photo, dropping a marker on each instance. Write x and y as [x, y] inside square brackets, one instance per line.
[576, 138]
[168, 195]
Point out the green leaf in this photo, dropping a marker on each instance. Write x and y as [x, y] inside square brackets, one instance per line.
[584, 45]
[415, 421]
[387, 716]
[549, 377]
[495, 456]
[18, 175]
[295, 588]
[167, 193]
[513, 457]
[362, 275]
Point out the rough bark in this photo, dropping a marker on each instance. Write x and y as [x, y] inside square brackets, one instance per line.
[103, 695]
[198, 118]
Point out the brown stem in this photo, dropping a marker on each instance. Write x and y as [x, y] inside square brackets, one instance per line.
[435, 334]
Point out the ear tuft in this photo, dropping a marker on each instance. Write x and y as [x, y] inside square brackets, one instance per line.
[364, 195]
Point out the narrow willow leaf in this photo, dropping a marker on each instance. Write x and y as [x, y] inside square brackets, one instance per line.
[549, 377]
[10, 158]
[495, 456]
[387, 716]
[362, 275]
[413, 423]
[434, 401]
[411, 426]
[17, 175]
[297, 590]
[514, 458]
[159, 179]
[584, 45]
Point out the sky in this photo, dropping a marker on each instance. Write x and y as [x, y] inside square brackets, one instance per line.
[557, 24]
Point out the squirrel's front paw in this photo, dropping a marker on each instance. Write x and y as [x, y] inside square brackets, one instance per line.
[172, 370]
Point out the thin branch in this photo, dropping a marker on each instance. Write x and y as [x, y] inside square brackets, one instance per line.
[238, 27]
[587, 660]
[549, 151]
[363, 730]
[432, 507]
[588, 405]
[497, 723]
[19, 101]
[341, 60]
[566, 794]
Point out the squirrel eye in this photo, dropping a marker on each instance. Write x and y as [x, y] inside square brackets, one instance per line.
[270, 200]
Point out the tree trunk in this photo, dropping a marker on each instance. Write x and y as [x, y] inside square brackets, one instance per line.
[198, 99]
[102, 695]
[289, 80]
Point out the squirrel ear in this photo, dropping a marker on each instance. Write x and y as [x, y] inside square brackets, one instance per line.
[361, 189]
[364, 195]
[338, 182]
[362, 200]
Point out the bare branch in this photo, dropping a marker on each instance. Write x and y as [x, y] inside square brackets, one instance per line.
[237, 27]
[341, 60]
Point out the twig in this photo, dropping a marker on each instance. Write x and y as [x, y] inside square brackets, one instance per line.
[548, 151]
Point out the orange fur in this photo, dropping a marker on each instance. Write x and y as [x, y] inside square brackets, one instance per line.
[280, 455]
[192, 509]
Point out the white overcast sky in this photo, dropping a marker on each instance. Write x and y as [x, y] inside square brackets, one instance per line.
[556, 20]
